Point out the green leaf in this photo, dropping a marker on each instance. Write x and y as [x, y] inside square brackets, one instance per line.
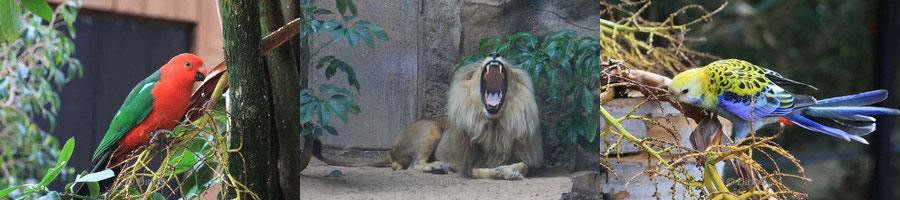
[366, 38]
[323, 60]
[323, 115]
[330, 71]
[573, 136]
[331, 89]
[337, 34]
[157, 196]
[304, 98]
[354, 38]
[331, 130]
[52, 195]
[587, 99]
[307, 111]
[348, 18]
[341, 6]
[348, 103]
[322, 11]
[10, 19]
[183, 161]
[591, 127]
[6, 191]
[338, 109]
[335, 174]
[94, 188]
[96, 176]
[331, 25]
[317, 132]
[307, 129]
[379, 32]
[352, 7]
[351, 75]
[39, 8]
[198, 182]
[64, 156]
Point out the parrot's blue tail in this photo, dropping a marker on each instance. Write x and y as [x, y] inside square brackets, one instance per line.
[847, 117]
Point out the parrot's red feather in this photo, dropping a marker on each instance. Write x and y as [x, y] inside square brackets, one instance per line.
[785, 121]
[171, 96]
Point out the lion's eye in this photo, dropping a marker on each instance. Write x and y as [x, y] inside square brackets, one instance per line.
[685, 91]
[187, 64]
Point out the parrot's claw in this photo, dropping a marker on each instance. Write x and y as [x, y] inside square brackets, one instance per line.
[160, 137]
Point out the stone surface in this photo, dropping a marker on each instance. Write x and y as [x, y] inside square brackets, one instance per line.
[440, 39]
[388, 75]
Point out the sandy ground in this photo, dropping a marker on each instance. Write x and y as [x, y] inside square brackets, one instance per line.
[385, 183]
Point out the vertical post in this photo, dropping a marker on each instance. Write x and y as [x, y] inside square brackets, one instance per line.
[887, 47]
[250, 123]
[290, 10]
[285, 81]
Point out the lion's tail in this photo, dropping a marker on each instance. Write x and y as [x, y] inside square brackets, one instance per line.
[382, 161]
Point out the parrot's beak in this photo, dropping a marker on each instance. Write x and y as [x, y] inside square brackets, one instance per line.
[199, 76]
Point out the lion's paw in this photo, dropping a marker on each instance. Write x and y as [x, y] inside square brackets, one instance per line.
[515, 175]
[437, 168]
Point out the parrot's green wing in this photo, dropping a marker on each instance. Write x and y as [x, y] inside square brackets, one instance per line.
[135, 108]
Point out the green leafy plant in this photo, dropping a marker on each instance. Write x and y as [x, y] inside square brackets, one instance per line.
[10, 13]
[331, 99]
[41, 188]
[36, 65]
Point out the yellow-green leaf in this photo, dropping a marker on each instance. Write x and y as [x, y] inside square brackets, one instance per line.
[39, 8]
[64, 156]
[10, 19]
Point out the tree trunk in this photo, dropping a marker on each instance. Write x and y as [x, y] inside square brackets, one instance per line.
[286, 95]
[250, 122]
[290, 9]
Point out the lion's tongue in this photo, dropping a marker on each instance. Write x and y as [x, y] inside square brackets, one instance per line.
[493, 99]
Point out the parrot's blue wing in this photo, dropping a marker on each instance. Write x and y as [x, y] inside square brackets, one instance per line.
[770, 101]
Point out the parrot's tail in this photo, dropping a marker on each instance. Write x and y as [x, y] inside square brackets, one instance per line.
[847, 117]
[99, 165]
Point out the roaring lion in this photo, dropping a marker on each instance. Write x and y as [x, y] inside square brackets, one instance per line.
[490, 131]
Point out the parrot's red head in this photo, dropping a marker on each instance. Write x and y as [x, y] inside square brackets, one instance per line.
[184, 68]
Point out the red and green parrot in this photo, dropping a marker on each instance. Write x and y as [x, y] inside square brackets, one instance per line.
[155, 105]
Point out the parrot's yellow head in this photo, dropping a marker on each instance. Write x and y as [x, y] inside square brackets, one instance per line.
[687, 87]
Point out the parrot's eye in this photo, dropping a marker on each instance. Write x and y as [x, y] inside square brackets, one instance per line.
[685, 91]
[187, 64]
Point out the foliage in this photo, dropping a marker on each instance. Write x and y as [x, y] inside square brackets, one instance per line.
[10, 12]
[34, 190]
[36, 65]
[195, 161]
[330, 99]
[578, 74]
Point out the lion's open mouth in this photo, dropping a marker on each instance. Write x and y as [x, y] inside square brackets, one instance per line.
[493, 86]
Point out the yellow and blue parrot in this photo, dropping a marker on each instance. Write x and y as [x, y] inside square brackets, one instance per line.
[743, 93]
